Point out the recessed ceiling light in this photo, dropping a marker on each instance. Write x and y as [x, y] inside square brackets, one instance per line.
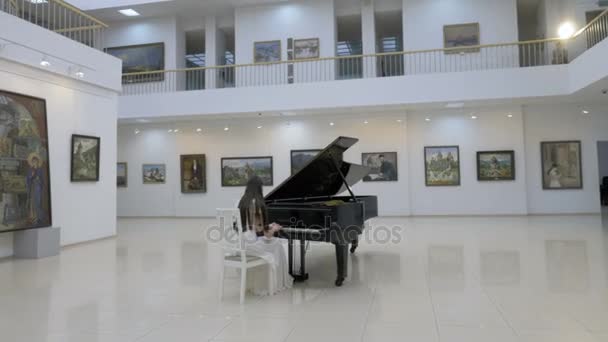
[366, 122]
[585, 111]
[509, 115]
[226, 128]
[170, 131]
[79, 73]
[136, 131]
[259, 127]
[474, 117]
[331, 123]
[45, 62]
[399, 120]
[129, 12]
[175, 130]
[427, 119]
[199, 129]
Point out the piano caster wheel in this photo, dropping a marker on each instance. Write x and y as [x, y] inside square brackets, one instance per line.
[339, 282]
[353, 249]
[298, 278]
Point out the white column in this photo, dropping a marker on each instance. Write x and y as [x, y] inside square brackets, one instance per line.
[210, 51]
[368, 37]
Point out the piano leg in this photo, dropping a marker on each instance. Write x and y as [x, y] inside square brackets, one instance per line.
[342, 261]
[354, 245]
[290, 256]
[302, 275]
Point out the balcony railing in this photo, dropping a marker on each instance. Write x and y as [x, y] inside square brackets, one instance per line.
[60, 17]
[471, 58]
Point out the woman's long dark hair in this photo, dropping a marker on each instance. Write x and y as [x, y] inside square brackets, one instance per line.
[253, 202]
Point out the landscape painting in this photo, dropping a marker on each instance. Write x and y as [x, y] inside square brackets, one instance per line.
[306, 48]
[383, 165]
[299, 158]
[154, 173]
[562, 165]
[193, 173]
[85, 158]
[267, 52]
[141, 58]
[24, 163]
[461, 35]
[237, 171]
[121, 175]
[442, 165]
[496, 166]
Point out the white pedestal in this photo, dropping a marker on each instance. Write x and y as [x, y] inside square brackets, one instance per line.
[37, 243]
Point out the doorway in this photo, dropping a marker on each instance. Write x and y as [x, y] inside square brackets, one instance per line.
[602, 155]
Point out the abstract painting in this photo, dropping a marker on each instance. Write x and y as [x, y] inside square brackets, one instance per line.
[383, 165]
[237, 171]
[122, 175]
[267, 52]
[141, 58]
[461, 35]
[24, 163]
[193, 173]
[306, 48]
[154, 173]
[442, 165]
[496, 165]
[299, 158]
[561, 165]
[85, 158]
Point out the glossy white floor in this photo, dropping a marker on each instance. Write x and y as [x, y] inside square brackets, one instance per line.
[447, 279]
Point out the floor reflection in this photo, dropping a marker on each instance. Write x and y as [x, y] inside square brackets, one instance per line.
[500, 268]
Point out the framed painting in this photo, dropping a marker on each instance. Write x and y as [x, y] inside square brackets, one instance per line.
[237, 171]
[496, 165]
[299, 158]
[561, 165]
[141, 58]
[193, 173]
[461, 35]
[154, 173]
[267, 52]
[306, 48]
[85, 158]
[25, 184]
[442, 165]
[122, 175]
[383, 165]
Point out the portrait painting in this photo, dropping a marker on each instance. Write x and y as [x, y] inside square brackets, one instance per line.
[85, 158]
[442, 165]
[141, 58]
[237, 171]
[561, 165]
[121, 175]
[461, 35]
[267, 52]
[193, 173]
[154, 173]
[383, 166]
[299, 158]
[496, 165]
[25, 181]
[306, 48]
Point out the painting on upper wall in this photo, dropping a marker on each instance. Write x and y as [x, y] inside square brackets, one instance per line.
[496, 165]
[141, 58]
[455, 36]
[383, 165]
[306, 48]
[85, 158]
[267, 52]
[299, 158]
[121, 175]
[442, 165]
[237, 171]
[562, 165]
[193, 173]
[25, 182]
[154, 173]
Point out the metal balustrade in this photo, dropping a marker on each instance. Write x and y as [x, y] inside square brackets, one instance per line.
[60, 17]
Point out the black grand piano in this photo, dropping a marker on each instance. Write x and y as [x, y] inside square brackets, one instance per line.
[307, 206]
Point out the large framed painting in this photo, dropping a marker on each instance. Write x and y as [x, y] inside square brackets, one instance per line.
[237, 171]
[267, 52]
[85, 158]
[141, 58]
[154, 173]
[383, 165]
[299, 158]
[442, 165]
[496, 165]
[461, 35]
[561, 165]
[306, 48]
[25, 184]
[122, 175]
[193, 173]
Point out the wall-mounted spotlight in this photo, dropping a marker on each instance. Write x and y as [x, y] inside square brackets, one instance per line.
[79, 73]
[45, 62]
[566, 30]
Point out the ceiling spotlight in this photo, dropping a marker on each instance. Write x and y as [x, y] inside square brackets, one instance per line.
[226, 128]
[399, 120]
[365, 122]
[474, 117]
[331, 123]
[566, 30]
[45, 62]
[170, 131]
[509, 115]
[427, 119]
[175, 130]
[136, 131]
[129, 12]
[259, 127]
[199, 129]
[79, 73]
[585, 111]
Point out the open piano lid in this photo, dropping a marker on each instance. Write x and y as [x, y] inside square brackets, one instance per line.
[320, 177]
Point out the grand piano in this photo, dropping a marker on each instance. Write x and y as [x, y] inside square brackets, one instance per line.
[307, 206]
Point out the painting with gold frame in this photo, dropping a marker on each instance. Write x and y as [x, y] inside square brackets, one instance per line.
[267, 51]
[461, 35]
